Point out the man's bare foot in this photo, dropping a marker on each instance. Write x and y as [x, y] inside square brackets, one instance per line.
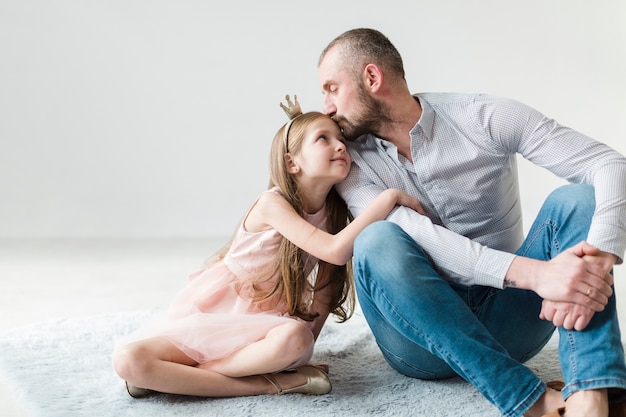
[590, 403]
[548, 402]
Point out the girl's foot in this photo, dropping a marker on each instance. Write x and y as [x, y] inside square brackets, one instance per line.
[317, 381]
[137, 392]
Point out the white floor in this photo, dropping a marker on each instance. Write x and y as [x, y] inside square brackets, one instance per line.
[51, 279]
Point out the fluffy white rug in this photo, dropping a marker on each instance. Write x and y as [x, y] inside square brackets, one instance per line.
[63, 369]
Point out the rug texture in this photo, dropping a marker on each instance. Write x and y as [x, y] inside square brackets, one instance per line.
[63, 368]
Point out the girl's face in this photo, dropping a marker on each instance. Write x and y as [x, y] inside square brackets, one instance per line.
[323, 152]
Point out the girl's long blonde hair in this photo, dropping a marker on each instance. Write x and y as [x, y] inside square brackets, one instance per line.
[290, 262]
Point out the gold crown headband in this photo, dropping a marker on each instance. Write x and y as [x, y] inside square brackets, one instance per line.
[293, 110]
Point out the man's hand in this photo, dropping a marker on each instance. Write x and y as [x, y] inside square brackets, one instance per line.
[578, 275]
[576, 316]
[604, 261]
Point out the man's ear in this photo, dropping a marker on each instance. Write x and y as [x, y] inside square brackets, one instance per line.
[291, 164]
[372, 77]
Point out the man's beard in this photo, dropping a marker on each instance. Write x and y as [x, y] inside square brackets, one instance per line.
[372, 115]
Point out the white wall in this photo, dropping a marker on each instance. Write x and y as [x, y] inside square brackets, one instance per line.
[154, 118]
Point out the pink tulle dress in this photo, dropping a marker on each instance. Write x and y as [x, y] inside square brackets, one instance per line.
[209, 319]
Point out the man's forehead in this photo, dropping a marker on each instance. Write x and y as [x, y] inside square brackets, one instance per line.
[330, 57]
[330, 68]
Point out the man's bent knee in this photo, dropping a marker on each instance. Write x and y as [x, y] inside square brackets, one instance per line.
[374, 237]
[383, 240]
[574, 198]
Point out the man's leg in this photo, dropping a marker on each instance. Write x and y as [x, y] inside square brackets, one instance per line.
[423, 326]
[590, 359]
[594, 357]
[562, 222]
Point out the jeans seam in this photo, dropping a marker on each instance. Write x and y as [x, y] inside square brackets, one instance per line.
[530, 241]
[572, 363]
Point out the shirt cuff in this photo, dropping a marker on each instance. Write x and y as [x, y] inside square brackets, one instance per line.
[492, 267]
[608, 238]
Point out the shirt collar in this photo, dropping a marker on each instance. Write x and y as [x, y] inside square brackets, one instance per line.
[427, 119]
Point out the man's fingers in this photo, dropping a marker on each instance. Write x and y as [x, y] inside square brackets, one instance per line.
[569, 322]
[596, 289]
[595, 294]
[591, 303]
[547, 311]
[567, 315]
[582, 321]
[583, 248]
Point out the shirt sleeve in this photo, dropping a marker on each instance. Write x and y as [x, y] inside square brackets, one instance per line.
[568, 154]
[456, 257]
[511, 127]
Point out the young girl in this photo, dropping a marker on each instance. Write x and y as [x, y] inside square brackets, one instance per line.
[247, 323]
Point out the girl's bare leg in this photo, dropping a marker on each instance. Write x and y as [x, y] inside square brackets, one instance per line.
[283, 346]
[159, 365]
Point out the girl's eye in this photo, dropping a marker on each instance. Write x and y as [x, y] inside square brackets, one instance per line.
[322, 138]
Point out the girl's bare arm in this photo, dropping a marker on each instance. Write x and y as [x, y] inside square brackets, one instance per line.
[274, 211]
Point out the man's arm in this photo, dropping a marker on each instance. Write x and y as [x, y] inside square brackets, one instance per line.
[457, 257]
[470, 263]
[563, 151]
[577, 158]
[568, 154]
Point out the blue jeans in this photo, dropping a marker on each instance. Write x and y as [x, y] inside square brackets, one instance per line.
[429, 328]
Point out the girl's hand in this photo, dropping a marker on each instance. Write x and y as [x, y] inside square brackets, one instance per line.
[403, 199]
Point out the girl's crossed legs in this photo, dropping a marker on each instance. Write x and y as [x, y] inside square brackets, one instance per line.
[157, 364]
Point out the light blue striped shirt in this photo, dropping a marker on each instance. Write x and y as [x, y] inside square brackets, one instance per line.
[464, 173]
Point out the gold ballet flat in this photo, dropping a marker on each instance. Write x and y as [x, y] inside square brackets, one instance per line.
[137, 392]
[317, 382]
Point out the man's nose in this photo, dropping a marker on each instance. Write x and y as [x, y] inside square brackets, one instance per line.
[328, 107]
